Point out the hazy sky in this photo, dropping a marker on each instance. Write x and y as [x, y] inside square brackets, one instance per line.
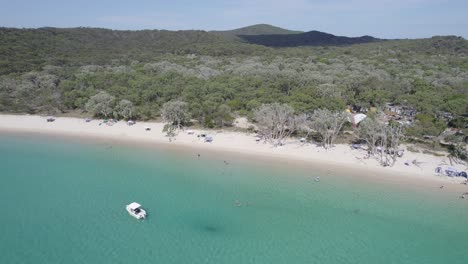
[380, 18]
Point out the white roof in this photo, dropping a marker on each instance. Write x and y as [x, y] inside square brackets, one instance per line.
[134, 206]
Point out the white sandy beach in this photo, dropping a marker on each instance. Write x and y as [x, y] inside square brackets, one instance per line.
[235, 142]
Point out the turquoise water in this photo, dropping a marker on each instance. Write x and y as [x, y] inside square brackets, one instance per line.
[63, 202]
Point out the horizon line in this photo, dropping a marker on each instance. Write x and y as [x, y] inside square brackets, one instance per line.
[223, 30]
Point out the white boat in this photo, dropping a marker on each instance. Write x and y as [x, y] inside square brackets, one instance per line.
[135, 210]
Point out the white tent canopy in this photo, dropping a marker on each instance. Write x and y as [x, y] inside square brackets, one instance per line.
[358, 118]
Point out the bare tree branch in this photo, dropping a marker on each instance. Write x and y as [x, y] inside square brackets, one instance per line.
[327, 124]
[277, 122]
[382, 140]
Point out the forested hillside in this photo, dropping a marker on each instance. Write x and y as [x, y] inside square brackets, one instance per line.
[57, 70]
[312, 38]
[30, 49]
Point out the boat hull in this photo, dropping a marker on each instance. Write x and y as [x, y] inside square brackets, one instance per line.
[140, 215]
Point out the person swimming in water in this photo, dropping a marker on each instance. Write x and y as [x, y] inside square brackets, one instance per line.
[317, 179]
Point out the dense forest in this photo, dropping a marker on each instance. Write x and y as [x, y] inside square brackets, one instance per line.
[221, 74]
[312, 38]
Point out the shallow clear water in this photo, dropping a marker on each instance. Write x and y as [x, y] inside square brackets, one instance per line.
[63, 202]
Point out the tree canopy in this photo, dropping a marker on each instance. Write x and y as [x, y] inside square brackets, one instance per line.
[51, 70]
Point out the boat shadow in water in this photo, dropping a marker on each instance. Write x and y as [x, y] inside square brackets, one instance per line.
[206, 227]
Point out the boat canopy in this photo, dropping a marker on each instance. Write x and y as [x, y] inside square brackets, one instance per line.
[134, 206]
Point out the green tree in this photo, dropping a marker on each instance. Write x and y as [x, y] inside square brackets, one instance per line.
[426, 125]
[101, 104]
[124, 109]
[175, 113]
[222, 115]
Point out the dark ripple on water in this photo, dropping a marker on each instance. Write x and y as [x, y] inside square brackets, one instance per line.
[207, 228]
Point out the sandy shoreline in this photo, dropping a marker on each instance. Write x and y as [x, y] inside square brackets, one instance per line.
[340, 158]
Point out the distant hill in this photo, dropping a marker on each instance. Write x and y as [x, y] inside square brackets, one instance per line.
[259, 29]
[312, 38]
[271, 36]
